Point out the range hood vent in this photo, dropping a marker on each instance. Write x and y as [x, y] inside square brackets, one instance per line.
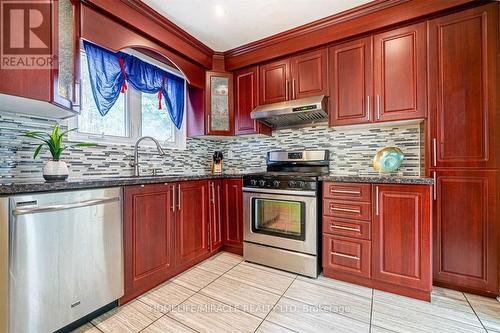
[295, 113]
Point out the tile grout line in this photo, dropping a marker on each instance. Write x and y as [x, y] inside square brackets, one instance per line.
[337, 289]
[195, 292]
[473, 310]
[279, 299]
[435, 315]
[371, 312]
[165, 314]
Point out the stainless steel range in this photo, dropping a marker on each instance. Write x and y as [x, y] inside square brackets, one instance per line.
[281, 209]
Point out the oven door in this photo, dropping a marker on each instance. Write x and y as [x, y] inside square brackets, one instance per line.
[281, 218]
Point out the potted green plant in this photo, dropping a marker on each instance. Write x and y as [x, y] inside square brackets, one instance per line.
[55, 169]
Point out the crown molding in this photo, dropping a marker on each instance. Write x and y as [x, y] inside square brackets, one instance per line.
[369, 17]
[137, 16]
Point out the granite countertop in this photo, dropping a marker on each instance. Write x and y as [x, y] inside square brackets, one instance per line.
[8, 187]
[383, 179]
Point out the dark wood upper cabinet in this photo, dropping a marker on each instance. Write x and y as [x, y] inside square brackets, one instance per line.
[401, 236]
[465, 230]
[309, 75]
[246, 94]
[233, 215]
[219, 113]
[148, 231]
[351, 80]
[59, 83]
[274, 81]
[215, 209]
[192, 220]
[400, 73]
[462, 88]
[300, 76]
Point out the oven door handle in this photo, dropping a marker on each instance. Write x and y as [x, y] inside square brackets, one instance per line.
[284, 192]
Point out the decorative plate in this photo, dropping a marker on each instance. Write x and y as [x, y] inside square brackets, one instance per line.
[388, 159]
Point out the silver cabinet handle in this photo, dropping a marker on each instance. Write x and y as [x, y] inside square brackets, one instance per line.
[368, 107]
[345, 255]
[434, 152]
[179, 195]
[344, 228]
[173, 198]
[293, 89]
[286, 89]
[434, 187]
[376, 201]
[54, 208]
[378, 106]
[346, 192]
[347, 210]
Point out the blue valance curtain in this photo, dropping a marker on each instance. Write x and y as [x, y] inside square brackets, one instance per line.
[111, 72]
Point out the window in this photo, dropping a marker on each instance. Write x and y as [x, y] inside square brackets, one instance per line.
[133, 115]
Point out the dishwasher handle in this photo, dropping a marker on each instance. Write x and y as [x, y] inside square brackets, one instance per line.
[54, 208]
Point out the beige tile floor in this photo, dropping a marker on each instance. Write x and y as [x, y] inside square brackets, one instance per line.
[226, 294]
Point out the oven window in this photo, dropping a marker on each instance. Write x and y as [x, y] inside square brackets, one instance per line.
[281, 218]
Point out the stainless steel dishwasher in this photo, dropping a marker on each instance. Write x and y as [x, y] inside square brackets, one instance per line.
[65, 257]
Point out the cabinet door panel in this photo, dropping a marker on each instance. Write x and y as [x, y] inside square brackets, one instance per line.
[351, 82]
[462, 88]
[233, 212]
[400, 73]
[219, 103]
[192, 221]
[246, 99]
[148, 237]
[465, 229]
[401, 232]
[274, 81]
[309, 74]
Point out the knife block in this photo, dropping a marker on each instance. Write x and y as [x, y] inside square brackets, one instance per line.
[216, 167]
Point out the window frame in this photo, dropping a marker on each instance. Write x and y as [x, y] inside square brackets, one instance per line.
[133, 117]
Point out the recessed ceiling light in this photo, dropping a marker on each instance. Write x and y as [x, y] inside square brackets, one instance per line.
[219, 11]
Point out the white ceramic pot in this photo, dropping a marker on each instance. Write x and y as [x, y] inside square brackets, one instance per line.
[55, 171]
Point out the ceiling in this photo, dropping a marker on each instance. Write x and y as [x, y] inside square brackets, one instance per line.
[225, 24]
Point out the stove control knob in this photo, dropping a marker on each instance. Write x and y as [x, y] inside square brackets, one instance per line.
[262, 183]
[301, 184]
[292, 183]
[276, 183]
[253, 182]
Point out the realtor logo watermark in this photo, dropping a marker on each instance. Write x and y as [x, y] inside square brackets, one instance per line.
[26, 35]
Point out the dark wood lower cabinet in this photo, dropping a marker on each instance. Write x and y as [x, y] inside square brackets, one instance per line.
[233, 215]
[401, 236]
[388, 248]
[149, 238]
[191, 221]
[171, 227]
[466, 230]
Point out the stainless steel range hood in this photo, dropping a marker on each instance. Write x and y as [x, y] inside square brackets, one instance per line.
[295, 113]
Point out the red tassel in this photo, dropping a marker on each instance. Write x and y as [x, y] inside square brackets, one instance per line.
[122, 66]
[160, 93]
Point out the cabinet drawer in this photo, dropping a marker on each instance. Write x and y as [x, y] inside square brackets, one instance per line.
[346, 209]
[347, 191]
[345, 227]
[347, 255]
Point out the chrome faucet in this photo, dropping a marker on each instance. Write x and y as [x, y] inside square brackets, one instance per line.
[135, 164]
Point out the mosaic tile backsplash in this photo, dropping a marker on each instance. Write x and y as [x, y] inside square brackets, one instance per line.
[351, 151]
